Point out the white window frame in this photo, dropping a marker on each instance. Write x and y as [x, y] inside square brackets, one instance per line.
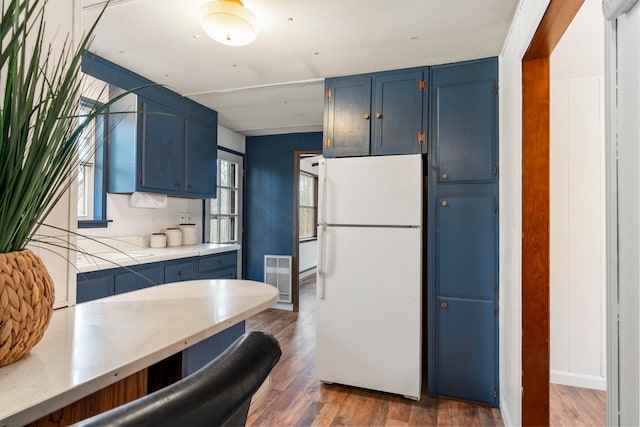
[86, 157]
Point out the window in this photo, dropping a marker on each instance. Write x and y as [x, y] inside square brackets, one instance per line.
[91, 161]
[224, 208]
[308, 205]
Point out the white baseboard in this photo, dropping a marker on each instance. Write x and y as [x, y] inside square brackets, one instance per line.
[504, 411]
[283, 306]
[579, 380]
[306, 273]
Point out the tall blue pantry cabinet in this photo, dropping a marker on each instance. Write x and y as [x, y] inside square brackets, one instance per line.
[462, 229]
[450, 114]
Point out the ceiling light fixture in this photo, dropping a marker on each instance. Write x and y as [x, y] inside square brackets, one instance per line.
[229, 22]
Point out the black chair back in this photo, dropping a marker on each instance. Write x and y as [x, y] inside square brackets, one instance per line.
[218, 394]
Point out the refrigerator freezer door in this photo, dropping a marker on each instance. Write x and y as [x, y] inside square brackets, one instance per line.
[377, 190]
[368, 324]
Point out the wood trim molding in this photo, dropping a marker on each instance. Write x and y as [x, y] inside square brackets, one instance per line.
[535, 210]
[535, 242]
[554, 23]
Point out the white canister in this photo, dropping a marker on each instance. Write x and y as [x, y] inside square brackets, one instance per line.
[174, 236]
[189, 236]
[158, 240]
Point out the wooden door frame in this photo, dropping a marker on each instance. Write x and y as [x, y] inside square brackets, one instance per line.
[295, 292]
[535, 210]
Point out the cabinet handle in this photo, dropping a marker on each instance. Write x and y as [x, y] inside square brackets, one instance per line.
[443, 304]
[180, 273]
[378, 116]
[366, 116]
[444, 203]
[444, 176]
[179, 185]
[189, 186]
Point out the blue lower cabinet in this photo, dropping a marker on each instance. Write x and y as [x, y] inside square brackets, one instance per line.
[218, 266]
[223, 265]
[138, 278]
[93, 287]
[465, 335]
[198, 355]
[178, 271]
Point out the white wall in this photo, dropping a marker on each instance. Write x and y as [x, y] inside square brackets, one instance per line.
[307, 257]
[577, 246]
[577, 257]
[62, 19]
[231, 140]
[131, 221]
[525, 22]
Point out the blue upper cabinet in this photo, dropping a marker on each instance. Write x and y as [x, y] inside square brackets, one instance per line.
[162, 149]
[398, 101]
[380, 113]
[347, 115]
[159, 141]
[464, 121]
[200, 148]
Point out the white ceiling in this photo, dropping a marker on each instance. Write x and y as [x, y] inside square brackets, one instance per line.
[275, 85]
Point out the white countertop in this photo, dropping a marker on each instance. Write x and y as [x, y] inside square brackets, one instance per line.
[92, 345]
[103, 261]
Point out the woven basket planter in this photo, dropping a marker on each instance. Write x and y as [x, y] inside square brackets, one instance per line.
[26, 303]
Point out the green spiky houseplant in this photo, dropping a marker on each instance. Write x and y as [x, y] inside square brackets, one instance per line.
[39, 141]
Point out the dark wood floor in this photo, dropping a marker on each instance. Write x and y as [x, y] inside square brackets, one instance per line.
[574, 406]
[297, 398]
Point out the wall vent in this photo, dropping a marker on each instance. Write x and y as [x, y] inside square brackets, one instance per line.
[277, 272]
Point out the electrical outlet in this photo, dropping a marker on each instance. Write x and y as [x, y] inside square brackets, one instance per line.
[188, 216]
[182, 217]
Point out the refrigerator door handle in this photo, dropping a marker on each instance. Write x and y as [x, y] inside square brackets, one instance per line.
[320, 286]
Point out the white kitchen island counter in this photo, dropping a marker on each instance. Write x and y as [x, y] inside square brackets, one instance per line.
[92, 345]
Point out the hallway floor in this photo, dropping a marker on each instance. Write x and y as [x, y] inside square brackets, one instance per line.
[297, 398]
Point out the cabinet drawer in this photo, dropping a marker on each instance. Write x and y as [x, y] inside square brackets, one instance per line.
[138, 279]
[93, 288]
[225, 273]
[217, 261]
[179, 271]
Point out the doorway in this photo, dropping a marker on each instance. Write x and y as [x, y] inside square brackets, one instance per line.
[577, 223]
[535, 210]
[305, 214]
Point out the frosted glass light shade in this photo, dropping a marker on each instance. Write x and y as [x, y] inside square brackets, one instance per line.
[229, 22]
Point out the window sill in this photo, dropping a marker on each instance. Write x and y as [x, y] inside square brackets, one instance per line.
[308, 239]
[94, 223]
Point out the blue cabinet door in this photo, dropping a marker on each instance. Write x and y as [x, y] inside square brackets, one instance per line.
[215, 266]
[397, 112]
[464, 121]
[465, 246]
[161, 149]
[138, 278]
[178, 271]
[201, 152]
[347, 126]
[93, 286]
[465, 350]
[465, 323]
[462, 232]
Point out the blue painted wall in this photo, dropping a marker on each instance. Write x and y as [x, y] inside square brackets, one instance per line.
[269, 180]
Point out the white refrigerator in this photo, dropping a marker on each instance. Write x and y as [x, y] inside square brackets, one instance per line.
[369, 282]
